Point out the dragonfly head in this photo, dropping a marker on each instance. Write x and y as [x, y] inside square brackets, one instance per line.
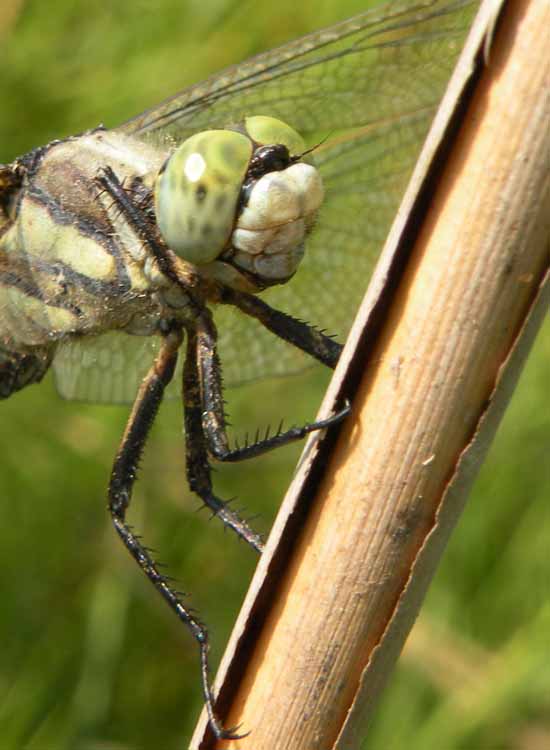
[238, 203]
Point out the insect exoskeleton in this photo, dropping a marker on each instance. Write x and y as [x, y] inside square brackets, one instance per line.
[240, 196]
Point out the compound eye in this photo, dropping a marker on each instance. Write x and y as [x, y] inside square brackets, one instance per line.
[269, 130]
[197, 193]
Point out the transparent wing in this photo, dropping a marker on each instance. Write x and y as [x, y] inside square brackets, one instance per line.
[366, 89]
[369, 86]
[372, 68]
[103, 369]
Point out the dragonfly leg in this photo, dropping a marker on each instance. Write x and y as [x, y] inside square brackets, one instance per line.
[136, 217]
[313, 342]
[204, 418]
[120, 491]
[282, 437]
[198, 470]
[305, 337]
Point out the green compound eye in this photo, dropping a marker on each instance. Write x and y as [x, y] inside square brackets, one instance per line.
[268, 130]
[197, 193]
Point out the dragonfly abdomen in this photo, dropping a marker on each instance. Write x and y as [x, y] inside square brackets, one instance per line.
[18, 370]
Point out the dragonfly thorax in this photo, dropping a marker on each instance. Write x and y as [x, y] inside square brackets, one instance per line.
[239, 202]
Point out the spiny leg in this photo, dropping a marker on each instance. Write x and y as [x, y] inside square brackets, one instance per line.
[313, 342]
[123, 477]
[303, 336]
[136, 218]
[198, 467]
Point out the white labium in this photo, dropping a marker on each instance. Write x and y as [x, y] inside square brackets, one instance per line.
[270, 232]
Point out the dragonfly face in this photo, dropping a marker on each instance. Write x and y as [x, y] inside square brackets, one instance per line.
[147, 281]
[239, 203]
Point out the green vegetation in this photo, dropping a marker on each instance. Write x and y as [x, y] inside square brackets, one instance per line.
[91, 659]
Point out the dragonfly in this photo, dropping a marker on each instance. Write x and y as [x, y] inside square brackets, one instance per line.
[142, 261]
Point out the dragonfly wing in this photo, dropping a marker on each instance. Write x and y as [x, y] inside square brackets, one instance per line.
[366, 91]
[371, 68]
[107, 368]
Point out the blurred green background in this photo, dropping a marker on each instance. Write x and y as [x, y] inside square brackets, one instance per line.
[90, 658]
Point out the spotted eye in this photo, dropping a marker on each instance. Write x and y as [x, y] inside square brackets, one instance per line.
[197, 193]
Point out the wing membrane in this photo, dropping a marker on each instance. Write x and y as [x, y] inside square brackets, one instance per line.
[374, 67]
[103, 369]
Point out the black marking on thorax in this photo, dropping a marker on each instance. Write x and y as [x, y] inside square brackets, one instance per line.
[87, 228]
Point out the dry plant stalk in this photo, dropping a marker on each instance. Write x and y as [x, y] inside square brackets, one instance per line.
[458, 327]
